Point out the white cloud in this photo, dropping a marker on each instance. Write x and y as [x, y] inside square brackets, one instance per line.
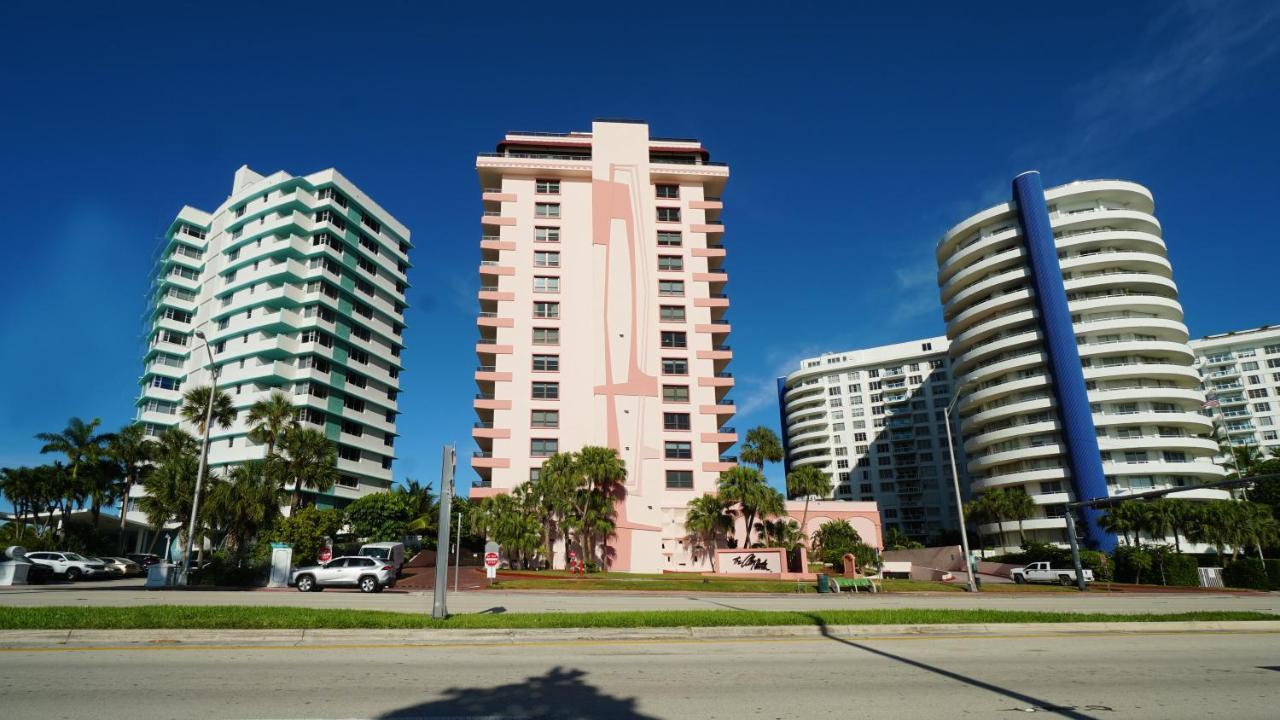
[915, 291]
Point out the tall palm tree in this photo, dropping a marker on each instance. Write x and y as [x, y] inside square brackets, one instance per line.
[1211, 524]
[558, 481]
[245, 504]
[1127, 517]
[761, 446]
[747, 487]
[195, 404]
[270, 418]
[604, 473]
[807, 481]
[706, 521]
[132, 450]
[1159, 518]
[978, 510]
[308, 461]
[83, 447]
[782, 533]
[171, 486]
[1019, 506]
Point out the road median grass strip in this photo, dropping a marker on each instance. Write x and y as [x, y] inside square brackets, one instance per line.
[217, 617]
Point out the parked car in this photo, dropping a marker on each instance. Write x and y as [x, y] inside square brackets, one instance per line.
[122, 567]
[1042, 572]
[145, 560]
[69, 564]
[391, 552]
[37, 573]
[369, 574]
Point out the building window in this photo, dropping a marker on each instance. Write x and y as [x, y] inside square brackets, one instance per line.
[546, 210]
[546, 336]
[349, 453]
[668, 214]
[546, 391]
[546, 234]
[678, 450]
[543, 447]
[368, 244]
[544, 258]
[675, 393]
[352, 428]
[668, 238]
[675, 366]
[670, 262]
[672, 313]
[675, 421]
[547, 187]
[668, 191]
[673, 339]
[546, 284]
[546, 310]
[680, 479]
[671, 288]
[546, 363]
[545, 419]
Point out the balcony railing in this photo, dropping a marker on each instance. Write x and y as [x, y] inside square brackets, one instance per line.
[488, 288]
[724, 374]
[730, 430]
[482, 454]
[729, 459]
[491, 190]
[486, 368]
[721, 348]
[487, 314]
[492, 213]
[484, 396]
[483, 425]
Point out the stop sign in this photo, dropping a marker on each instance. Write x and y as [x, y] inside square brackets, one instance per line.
[491, 559]
[325, 554]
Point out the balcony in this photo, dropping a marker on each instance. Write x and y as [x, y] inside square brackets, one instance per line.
[491, 292]
[1220, 359]
[486, 430]
[723, 436]
[484, 459]
[495, 217]
[710, 226]
[722, 379]
[493, 242]
[717, 352]
[719, 276]
[496, 195]
[723, 407]
[715, 327]
[710, 251]
[493, 268]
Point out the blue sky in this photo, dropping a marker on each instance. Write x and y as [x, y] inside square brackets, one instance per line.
[857, 134]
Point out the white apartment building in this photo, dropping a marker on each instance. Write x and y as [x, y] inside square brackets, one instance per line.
[1069, 352]
[873, 420]
[1242, 371]
[298, 283]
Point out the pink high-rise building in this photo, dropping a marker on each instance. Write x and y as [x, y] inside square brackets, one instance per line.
[602, 322]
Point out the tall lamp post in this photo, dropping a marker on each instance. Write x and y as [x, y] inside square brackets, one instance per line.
[204, 456]
[955, 482]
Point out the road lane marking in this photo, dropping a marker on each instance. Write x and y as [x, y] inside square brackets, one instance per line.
[159, 646]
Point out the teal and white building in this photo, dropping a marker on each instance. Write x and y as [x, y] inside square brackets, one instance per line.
[298, 283]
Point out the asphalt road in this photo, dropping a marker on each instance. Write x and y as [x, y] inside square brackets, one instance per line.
[1195, 675]
[130, 592]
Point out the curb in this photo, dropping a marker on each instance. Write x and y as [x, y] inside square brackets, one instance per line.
[130, 639]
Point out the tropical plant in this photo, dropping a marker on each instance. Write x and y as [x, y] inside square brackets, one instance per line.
[307, 461]
[978, 511]
[836, 538]
[195, 405]
[270, 418]
[706, 521]
[603, 474]
[761, 446]
[782, 533]
[1019, 506]
[747, 487]
[308, 530]
[807, 481]
[244, 505]
[133, 451]
[171, 486]
[895, 539]
[83, 447]
[504, 519]
[551, 496]
[380, 517]
[1127, 518]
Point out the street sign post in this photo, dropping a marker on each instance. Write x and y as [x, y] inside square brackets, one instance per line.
[491, 559]
[439, 608]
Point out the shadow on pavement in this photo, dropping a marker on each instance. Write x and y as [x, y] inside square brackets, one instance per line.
[560, 693]
[1033, 704]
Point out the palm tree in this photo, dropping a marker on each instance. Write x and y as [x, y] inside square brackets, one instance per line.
[422, 502]
[1255, 525]
[895, 539]
[979, 511]
[1211, 524]
[308, 461]
[706, 520]
[83, 448]
[807, 481]
[244, 505]
[132, 450]
[1158, 518]
[996, 502]
[1125, 518]
[558, 480]
[782, 533]
[1019, 506]
[195, 404]
[604, 474]
[270, 418]
[747, 487]
[760, 446]
[171, 486]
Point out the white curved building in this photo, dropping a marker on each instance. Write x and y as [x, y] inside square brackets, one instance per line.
[1069, 350]
[298, 282]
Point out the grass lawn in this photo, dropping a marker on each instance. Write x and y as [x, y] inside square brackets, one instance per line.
[221, 617]
[561, 580]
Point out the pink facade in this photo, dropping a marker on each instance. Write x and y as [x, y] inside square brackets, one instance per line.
[593, 331]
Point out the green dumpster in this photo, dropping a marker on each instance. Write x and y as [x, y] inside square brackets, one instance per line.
[824, 583]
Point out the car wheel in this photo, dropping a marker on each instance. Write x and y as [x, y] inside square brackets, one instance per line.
[73, 574]
[369, 584]
[1064, 579]
[1019, 579]
[306, 584]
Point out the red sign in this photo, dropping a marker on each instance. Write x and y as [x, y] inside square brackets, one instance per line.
[491, 560]
[325, 554]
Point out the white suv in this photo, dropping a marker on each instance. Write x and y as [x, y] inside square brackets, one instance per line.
[369, 574]
[68, 564]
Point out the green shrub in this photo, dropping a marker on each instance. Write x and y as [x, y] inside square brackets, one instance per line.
[1245, 573]
[1172, 568]
[1058, 557]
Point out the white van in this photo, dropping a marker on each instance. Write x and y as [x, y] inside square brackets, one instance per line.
[391, 553]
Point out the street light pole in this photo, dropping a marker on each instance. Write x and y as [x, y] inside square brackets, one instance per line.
[204, 459]
[969, 570]
[439, 607]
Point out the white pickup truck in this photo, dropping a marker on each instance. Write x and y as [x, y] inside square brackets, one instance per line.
[1041, 572]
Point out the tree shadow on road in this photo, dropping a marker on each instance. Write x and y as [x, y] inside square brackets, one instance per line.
[560, 693]
[1033, 704]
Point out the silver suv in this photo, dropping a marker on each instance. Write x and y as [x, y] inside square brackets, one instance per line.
[371, 575]
[69, 565]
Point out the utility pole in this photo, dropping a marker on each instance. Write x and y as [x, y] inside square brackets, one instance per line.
[204, 459]
[969, 566]
[447, 459]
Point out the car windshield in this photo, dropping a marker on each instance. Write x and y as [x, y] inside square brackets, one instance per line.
[75, 557]
[380, 553]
